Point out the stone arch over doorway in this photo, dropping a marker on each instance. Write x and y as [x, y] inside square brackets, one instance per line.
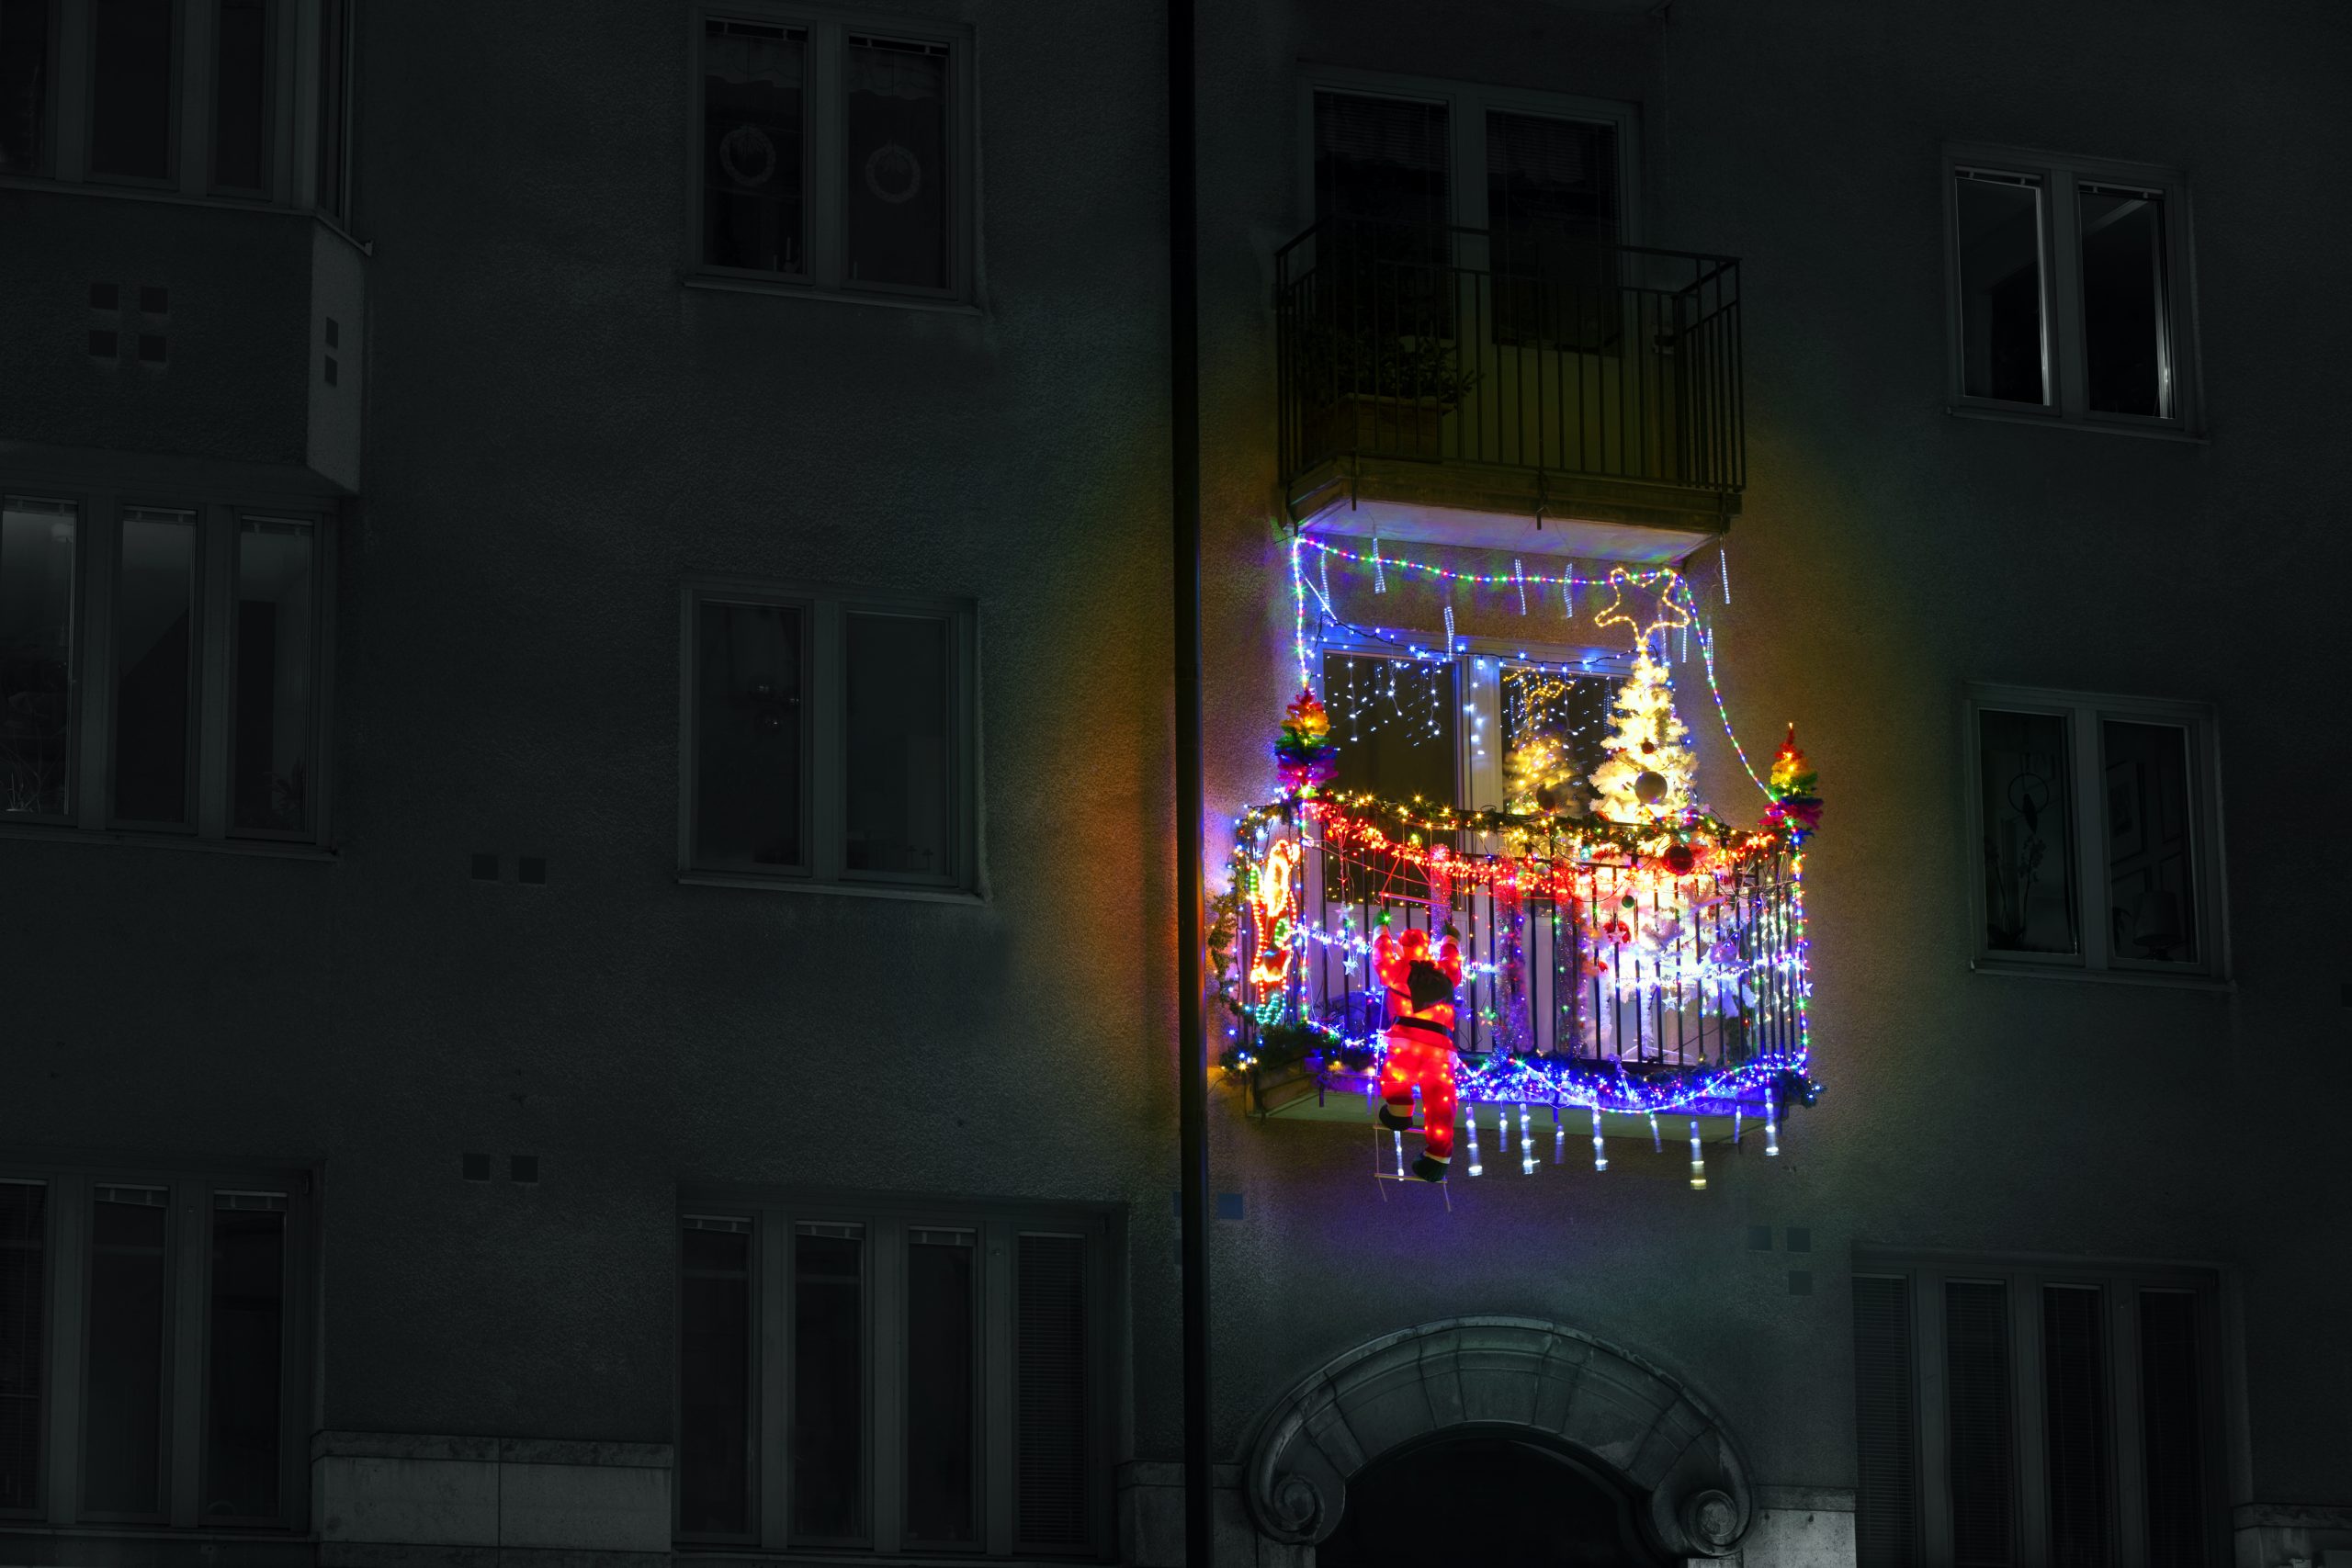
[1515, 1376]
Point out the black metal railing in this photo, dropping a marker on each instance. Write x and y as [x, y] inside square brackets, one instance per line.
[1560, 356]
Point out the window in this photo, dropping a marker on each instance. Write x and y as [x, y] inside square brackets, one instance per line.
[141, 63]
[2070, 289]
[128, 1298]
[829, 740]
[831, 156]
[1448, 729]
[144, 689]
[2097, 834]
[2011, 1413]
[928, 1378]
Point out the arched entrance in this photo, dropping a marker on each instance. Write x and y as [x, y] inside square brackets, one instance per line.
[1609, 1425]
[1487, 1498]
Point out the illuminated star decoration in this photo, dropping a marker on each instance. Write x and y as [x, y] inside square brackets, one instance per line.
[1671, 616]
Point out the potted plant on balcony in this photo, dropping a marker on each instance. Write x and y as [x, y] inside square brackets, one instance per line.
[1381, 393]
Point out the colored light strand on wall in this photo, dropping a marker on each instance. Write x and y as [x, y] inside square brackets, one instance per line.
[1698, 1160]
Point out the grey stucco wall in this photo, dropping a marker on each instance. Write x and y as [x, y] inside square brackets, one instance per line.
[557, 431]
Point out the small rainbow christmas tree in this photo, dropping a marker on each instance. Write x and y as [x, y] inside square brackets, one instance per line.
[1304, 754]
[1792, 782]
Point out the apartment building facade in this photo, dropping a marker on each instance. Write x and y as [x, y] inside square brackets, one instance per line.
[588, 845]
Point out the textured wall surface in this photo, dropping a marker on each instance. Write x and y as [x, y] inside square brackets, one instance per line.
[557, 431]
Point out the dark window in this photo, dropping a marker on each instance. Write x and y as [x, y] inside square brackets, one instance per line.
[900, 767]
[2074, 1397]
[896, 179]
[943, 1388]
[154, 707]
[1983, 1458]
[243, 1418]
[2172, 1427]
[334, 109]
[715, 1380]
[240, 97]
[1886, 1507]
[1552, 209]
[38, 541]
[132, 107]
[2127, 312]
[1396, 723]
[24, 84]
[750, 735]
[274, 658]
[2151, 842]
[24, 1234]
[1384, 202]
[1052, 1394]
[2027, 798]
[828, 1382]
[123, 1432]
[2000, 287]
[753, 168]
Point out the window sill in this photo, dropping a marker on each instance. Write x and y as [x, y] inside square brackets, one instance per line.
[266, 849]
[2103, 976]
[852, 889]
[2104, 427]
[181, 198]
[726, 283]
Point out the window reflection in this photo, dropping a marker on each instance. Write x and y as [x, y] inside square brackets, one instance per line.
[153, 703]
[2126, 336]
[2027, 833]
[37, 542]
[2000, 287]
[275, 629]
[2151, 853]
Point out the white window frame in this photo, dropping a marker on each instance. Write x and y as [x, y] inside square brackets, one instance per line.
[97, 548]
[1466, 105]
[2024, 1278]
[774, 1218]
[1477, 672]
[65, 1295]
[2084, 713]
[823, 747]
[2064, 352]
[293, 108]
[824, 192]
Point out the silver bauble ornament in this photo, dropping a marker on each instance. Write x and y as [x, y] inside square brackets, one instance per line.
[1649, 788]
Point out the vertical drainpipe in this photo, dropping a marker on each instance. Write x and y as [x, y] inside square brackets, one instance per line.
[1192, 1055]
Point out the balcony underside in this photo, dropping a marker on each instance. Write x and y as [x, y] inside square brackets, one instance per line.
[1523, 509]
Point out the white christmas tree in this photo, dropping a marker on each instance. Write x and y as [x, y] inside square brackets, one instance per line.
[1648, 774]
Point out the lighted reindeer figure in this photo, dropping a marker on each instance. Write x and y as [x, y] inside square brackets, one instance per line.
[1421, 984]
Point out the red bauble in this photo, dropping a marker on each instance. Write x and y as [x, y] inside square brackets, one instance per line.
[1679, 859]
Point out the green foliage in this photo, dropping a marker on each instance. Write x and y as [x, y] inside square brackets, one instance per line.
[1333, 361]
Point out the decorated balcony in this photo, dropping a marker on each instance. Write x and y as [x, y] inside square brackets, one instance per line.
[1598, 955]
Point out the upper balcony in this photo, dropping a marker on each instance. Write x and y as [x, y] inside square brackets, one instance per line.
[1508, 392]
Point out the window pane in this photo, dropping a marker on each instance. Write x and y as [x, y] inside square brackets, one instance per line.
[897, 175]
[1384, 200]
[1052, 1394]
[2028, 833]
[37, 561]
[2000, 288]
[753, 168]
[2173, 1421]
[23, 1240]
[246, 1356]
[943, 1398]
[130, 87]
[2074, 1385]
[240, 97]
[335, 22]
[714, 1383]
[1551, 205]
[24, 84]
[1553, 725]
[1383, 161]
[153, 625]
[274, 656]
[2126, 320]
[1976, 1346]
[748, 735]
[2150, 850]
[122, 1436]
[1886, 1500]
[900, 757]
[1394, 721]
[828, 1382]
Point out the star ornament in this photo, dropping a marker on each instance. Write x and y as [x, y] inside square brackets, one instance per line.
[1670, 616]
